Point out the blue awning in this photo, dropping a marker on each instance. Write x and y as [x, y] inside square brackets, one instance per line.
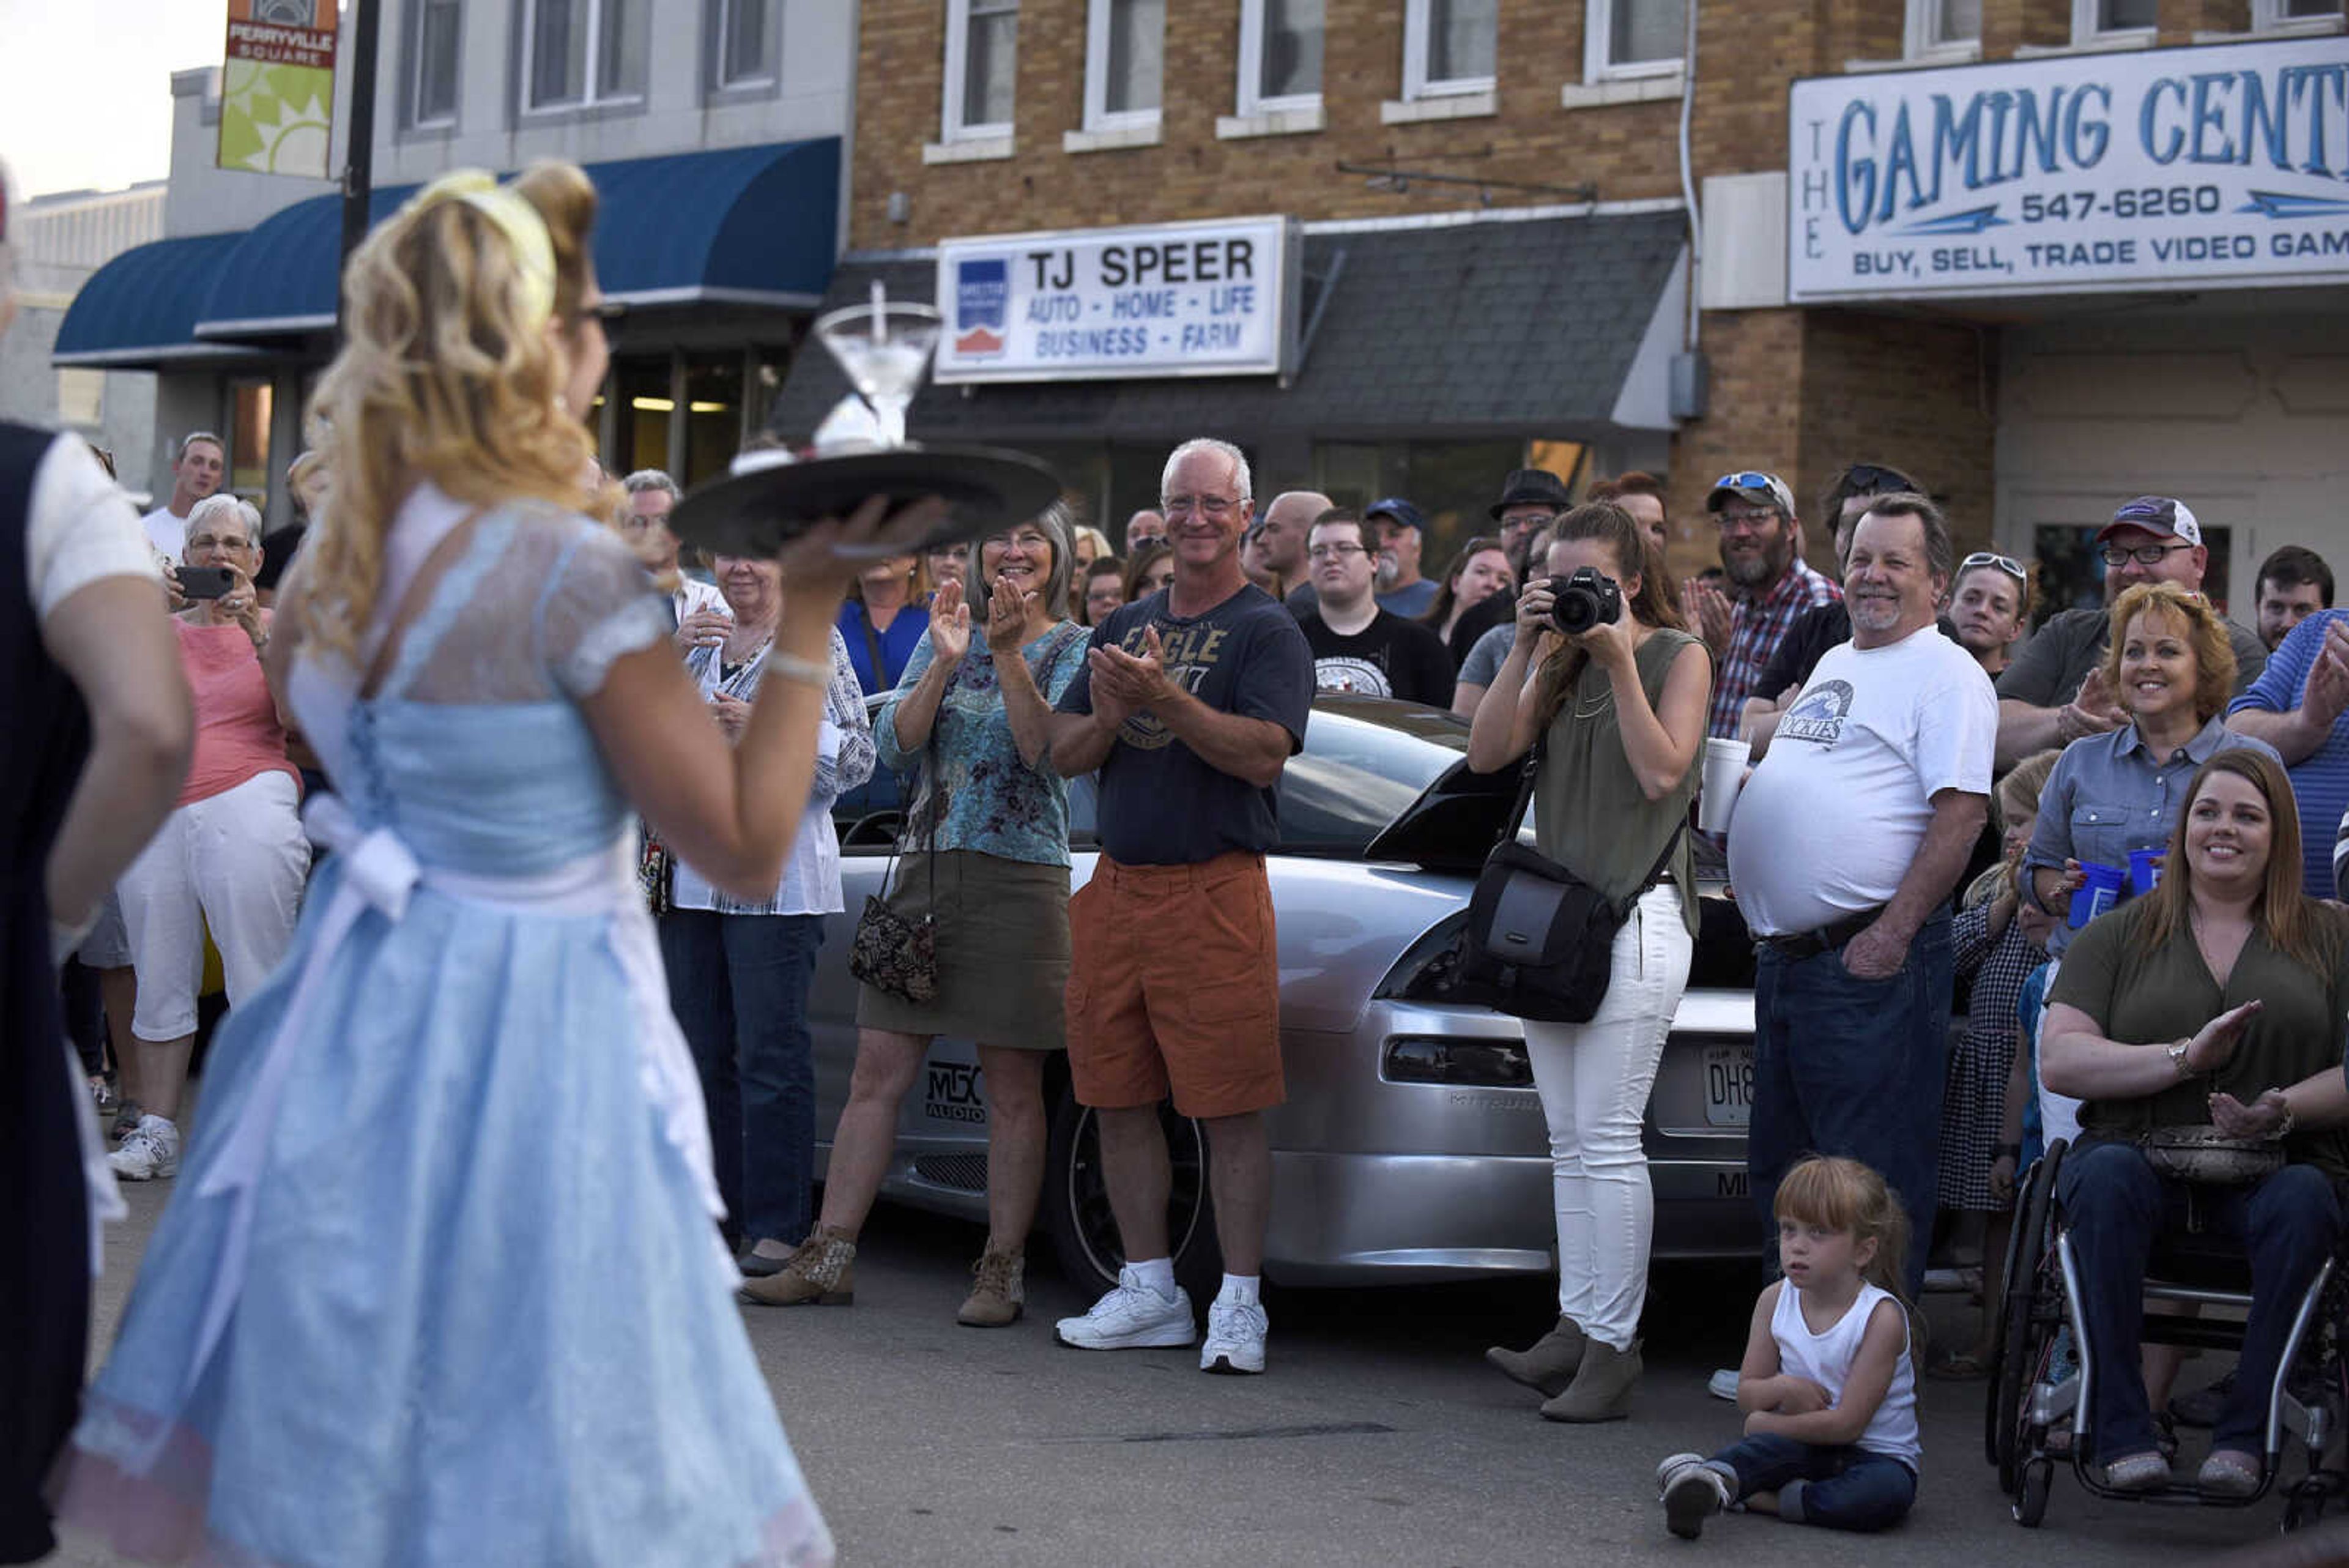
[754, 226]
[140, 309]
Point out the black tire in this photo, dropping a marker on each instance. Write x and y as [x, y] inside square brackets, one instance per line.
[1076, 1202]
[2031, 1498]
[2024, 1321]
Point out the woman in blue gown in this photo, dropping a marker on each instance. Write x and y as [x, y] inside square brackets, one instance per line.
[439, 1284]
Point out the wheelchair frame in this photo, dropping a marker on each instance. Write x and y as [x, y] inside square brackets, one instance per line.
[2043, 1294]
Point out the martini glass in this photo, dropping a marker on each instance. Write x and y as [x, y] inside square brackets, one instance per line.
[885, 351]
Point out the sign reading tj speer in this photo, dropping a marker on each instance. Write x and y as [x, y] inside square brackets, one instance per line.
[2151, 168]
[1176, 299]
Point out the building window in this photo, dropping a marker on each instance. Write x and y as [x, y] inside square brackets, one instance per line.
[81, 396]
[1944, 27]
[1125, 58]
[2093, 19]
[1280, 55]
[582, 52]
[432, 65]
[743, 34]
[982, 65]
[2287, 16]
[1448, 47]
[1634, 38]
[249, 405]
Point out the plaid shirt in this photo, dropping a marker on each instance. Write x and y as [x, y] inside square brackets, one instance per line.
[1756, 630]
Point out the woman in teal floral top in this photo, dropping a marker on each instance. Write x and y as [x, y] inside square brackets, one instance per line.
[986, 855]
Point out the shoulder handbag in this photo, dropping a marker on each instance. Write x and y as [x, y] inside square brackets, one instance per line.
[1539, 940]
[889, 953]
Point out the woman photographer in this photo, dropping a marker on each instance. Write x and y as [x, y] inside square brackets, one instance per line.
[1619, 710]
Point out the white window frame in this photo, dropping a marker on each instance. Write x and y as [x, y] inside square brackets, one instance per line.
[1253, 19]
[2084, 28]
[951, 127]
[1597, 41]
[2267, 17]
[415, 118]
[591, 69]
[769, 69]
[1417, 18]
[1922, 39]
[1098, 16]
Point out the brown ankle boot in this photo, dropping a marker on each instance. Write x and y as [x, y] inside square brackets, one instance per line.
[823, 1273]
[999, 1291]
[1601, 1389]
[1549, 1364]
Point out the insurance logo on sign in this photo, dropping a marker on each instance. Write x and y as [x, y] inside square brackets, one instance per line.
[982, 293]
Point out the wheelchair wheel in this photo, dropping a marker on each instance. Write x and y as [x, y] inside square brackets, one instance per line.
[2031, 1496]
[2022, 1346]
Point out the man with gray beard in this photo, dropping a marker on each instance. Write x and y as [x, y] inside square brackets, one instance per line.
[1771, 583]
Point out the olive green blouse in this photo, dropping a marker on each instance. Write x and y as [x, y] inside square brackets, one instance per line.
[2153, 997]
[1590, 813]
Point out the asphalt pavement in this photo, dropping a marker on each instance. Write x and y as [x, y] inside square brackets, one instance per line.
[1377, 1435]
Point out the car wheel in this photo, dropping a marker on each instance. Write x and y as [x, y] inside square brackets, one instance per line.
[1076, 1201]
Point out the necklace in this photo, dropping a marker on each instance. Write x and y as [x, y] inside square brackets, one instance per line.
[2204, 942]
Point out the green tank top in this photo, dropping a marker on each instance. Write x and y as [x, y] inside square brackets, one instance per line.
[1590, 813]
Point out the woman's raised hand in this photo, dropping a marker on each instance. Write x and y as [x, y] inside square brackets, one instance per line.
[2214, 1043]
[1007, 616]
[949, 625]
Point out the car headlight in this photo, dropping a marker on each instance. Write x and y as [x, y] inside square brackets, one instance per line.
[1482, 1063]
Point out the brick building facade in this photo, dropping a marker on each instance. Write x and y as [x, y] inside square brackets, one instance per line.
[1566, 130]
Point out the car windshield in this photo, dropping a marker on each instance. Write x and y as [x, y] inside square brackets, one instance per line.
[1364, 762]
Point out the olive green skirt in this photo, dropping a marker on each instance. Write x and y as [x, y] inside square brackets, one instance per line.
[1003, 950]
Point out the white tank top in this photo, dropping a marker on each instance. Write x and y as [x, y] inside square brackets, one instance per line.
[1826, 1359]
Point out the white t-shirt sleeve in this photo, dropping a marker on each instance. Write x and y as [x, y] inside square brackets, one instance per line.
[1957, 724]
[81, 528]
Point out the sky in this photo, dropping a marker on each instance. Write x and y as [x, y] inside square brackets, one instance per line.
[88, 95]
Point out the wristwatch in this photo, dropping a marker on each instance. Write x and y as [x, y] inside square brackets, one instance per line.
[2178, 1057]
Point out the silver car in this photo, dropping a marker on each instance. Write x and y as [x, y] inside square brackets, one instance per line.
[1411, 1147]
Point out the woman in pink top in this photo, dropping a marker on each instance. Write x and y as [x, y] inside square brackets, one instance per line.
[231, 857]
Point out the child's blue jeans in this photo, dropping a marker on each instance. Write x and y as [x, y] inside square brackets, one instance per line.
[1844, 1488]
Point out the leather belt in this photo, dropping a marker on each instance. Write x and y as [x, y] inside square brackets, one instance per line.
[1795, 946]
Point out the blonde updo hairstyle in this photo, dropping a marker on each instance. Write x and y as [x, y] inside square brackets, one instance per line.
[448, 373]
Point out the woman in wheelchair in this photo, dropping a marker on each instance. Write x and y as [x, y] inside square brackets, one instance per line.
[2225, 947]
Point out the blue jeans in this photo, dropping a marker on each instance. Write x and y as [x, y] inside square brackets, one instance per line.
[1853, 1067]
[2114, 1206]
[739, 986]
[1846, 1487]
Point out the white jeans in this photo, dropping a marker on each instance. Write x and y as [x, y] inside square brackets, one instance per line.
[234, 863]
[1593, 1079]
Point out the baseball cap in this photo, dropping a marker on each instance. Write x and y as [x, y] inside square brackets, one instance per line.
[1754, 485]
[1401, 511]
[2155, 514]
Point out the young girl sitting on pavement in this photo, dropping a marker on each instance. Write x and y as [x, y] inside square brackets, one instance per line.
[1828, 1385]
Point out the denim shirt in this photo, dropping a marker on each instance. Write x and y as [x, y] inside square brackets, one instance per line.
[2110, 794]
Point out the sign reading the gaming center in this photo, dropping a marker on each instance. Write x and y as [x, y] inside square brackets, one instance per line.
[2147, 169]
[1176, 299]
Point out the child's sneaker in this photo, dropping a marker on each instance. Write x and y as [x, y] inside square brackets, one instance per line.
[1692, 1492]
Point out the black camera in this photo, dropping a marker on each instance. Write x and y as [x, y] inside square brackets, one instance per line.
[1584, 600]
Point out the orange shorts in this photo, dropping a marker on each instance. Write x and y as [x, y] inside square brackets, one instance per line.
[1174, 987]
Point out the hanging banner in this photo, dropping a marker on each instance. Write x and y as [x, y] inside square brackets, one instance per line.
[277, 88]
[2153, 169]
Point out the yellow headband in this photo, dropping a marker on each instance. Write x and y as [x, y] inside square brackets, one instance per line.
[525, 231]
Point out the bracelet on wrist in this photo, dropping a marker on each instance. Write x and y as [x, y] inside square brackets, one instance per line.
[2283, 1128]
[806, 671]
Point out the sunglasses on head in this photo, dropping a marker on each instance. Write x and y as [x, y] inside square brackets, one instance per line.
[1868, 479]
[2007, 564]
[1749, 479]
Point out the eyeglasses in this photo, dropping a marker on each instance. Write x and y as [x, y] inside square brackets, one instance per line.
[2144, 555]
[1334, 552]
[209, 542]
[1733, 522]
[2007, 564]
[1746, 479]
[1213, 505]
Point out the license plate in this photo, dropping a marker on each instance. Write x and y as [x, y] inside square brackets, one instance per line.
[1728, 1085]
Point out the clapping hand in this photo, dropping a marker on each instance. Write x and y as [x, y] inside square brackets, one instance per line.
[1709, 607]
[949, 625]
[705, 628]
[2328, 678]
[732, 713]
[2213, 1045]
[1139, 681]
[2263, 1117]
[2095, 712]
[1007, 616]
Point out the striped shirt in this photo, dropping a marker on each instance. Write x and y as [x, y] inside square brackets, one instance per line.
[2320, 781]
[1756, 626]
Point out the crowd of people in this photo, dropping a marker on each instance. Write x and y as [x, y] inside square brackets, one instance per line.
[573, 804]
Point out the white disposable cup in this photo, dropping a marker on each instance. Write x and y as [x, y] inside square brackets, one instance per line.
[1723, 776]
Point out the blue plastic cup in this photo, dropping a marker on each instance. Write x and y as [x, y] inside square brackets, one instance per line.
[2144, 870]
[2100, 892]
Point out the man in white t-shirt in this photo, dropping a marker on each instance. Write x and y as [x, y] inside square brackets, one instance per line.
[201, 465]
[1845, 846]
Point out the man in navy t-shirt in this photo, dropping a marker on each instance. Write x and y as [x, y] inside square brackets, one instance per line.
[1190, 703]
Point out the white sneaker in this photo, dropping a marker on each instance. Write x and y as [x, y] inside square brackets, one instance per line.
[1131, 1317]
[151, 1152]
[1691, 1492]
[1722, 1384]
[1235, 1337]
